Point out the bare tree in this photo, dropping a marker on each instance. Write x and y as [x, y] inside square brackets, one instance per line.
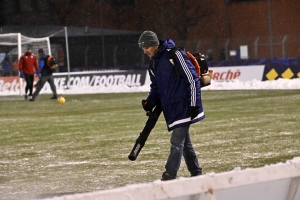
[121, 16]
[183, 15]
[174, 17]
[78, 13]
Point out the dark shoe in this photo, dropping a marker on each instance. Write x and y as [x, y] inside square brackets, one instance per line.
[54, 97]
[166, 176]
[32, 98]
[26, 97]
[197, 172]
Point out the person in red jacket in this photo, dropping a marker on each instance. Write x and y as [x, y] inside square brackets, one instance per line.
[28, 67]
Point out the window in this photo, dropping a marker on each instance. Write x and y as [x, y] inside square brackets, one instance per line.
[26, 6]
[240, 1]
[43, 5]
[122, 2]
[9, 6]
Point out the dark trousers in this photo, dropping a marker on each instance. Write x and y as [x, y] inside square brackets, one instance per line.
[29, 78]
[42, 82]
[181, 145]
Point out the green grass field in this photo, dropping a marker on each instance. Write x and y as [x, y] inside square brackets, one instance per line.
[50, 149]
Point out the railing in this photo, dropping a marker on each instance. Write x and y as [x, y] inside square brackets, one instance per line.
[284, 46]
[129, 56]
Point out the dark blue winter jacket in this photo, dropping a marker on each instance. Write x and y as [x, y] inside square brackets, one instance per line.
[175, 93]
[45, 70]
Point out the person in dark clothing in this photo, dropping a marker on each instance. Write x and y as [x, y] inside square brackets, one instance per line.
[210, 56]
[178, 96]
[6, 66]
[222, 55]
[47, 64]
[28, 66]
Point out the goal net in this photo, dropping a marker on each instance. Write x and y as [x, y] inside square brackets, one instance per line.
[13, 45]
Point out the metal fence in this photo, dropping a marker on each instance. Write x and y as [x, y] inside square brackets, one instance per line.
[285, 46]
[129, 56]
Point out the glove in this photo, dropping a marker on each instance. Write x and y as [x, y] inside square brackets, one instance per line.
[21, 74]
[194, 111]
[147, 105]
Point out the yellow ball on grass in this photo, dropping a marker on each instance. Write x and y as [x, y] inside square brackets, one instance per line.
[61, 100]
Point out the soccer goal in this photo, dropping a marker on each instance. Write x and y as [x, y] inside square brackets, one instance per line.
[13, 45]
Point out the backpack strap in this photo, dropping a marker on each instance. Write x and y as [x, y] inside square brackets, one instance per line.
[171, 56]
[194, 62]
[198, 60]
[151, 67]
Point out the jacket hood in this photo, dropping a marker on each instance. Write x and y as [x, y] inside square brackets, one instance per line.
[163, 45]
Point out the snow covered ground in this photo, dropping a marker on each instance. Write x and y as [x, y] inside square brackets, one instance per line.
[257, 85]
[232, 85]
[215, 85]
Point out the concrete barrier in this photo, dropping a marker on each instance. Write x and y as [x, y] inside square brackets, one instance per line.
[273, 182]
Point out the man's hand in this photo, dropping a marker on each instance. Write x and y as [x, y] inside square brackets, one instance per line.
[148, 106]
[194, 111]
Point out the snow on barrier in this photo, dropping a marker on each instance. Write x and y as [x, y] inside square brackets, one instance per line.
[273, 182]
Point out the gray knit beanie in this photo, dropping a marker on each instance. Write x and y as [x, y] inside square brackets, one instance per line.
[148, 39]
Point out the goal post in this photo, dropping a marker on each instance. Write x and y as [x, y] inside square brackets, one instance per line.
[13, 45]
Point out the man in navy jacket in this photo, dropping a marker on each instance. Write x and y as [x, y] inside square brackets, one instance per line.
[179, 96]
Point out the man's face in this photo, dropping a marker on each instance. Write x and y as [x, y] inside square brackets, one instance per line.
[150, 51]
[29, 51]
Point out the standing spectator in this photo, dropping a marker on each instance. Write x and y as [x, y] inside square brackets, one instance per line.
[210, 56]
[6, 66]
[47, 65]
[15, 66]
[179, 98]
[238, 54]
[28, 67]
[222, 55]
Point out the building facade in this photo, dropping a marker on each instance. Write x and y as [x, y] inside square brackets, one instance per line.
[269, 28]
